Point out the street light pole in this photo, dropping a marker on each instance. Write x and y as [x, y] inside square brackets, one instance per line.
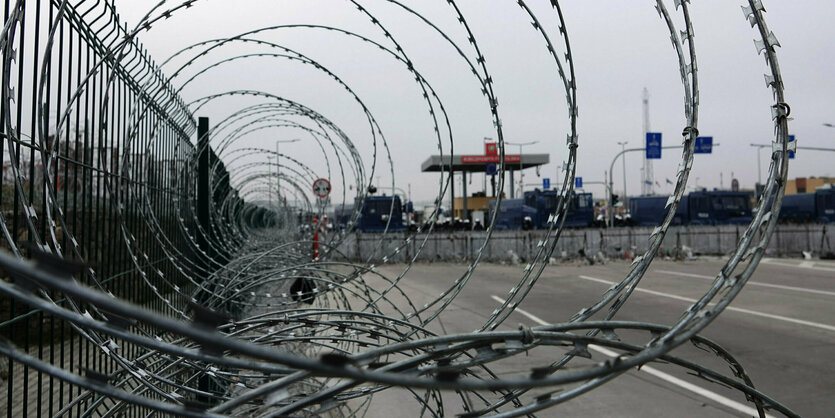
[816, 148]
[761, 146]
[611, 180]
[278, 167]
[759, 169]
[623, 148]
[521, 172]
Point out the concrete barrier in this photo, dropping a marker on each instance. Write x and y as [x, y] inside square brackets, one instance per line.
[518, 246]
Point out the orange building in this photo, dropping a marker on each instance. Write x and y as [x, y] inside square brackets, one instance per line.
[807, 185]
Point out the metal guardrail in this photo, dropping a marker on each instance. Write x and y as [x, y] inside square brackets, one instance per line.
[156, 281]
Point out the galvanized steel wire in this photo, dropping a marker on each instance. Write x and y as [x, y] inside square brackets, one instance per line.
[207, 302]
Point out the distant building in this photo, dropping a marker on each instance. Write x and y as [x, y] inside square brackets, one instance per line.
[477, 201]
[807, 185]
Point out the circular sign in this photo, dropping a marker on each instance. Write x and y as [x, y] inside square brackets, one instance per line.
[322, 187]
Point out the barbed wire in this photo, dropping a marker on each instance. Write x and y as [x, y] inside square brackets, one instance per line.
[234, 316]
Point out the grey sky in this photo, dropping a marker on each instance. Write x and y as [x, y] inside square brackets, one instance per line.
[619, 48]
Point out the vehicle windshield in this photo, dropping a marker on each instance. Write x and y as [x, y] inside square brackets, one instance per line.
[731, 202]
[584, 200]
[550, 203]
[382, 207]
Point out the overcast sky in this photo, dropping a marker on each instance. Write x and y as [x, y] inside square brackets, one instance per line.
[619, 47]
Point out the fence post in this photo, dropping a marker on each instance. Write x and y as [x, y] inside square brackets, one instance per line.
[528, 246]
[603, 242]
[203, 215]
[408, 246]
[357, 238]
[452, 239]
[435, 243]
[600, 244]
[489, 250]
[777, 239]
[203, 185]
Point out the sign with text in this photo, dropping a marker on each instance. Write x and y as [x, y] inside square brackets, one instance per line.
[546, 183]
[486, 159]
[578, 182]
[653, 145]
[704, 145]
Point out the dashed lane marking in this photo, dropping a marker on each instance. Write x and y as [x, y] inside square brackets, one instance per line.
[806, 264]
[729, 308]
[750, 283]
[698, 390]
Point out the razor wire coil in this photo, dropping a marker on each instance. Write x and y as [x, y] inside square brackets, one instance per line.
[150, 247]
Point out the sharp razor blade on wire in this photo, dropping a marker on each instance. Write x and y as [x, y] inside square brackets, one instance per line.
[211, 282]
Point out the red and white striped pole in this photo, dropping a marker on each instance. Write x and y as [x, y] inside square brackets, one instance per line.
[315, 240]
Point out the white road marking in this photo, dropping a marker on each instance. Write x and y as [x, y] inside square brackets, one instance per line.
[803, 264]
[750, 283]
[729, 308]
[713, 396]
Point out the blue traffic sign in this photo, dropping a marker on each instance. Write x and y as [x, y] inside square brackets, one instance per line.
[653, 145]
[490, 169]
[546, 183]
[578, 182]
[791, 153]
[704, 145]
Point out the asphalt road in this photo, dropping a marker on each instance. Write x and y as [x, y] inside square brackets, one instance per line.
[781, 328]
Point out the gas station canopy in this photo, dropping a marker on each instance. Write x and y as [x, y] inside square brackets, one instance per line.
[478, 163]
